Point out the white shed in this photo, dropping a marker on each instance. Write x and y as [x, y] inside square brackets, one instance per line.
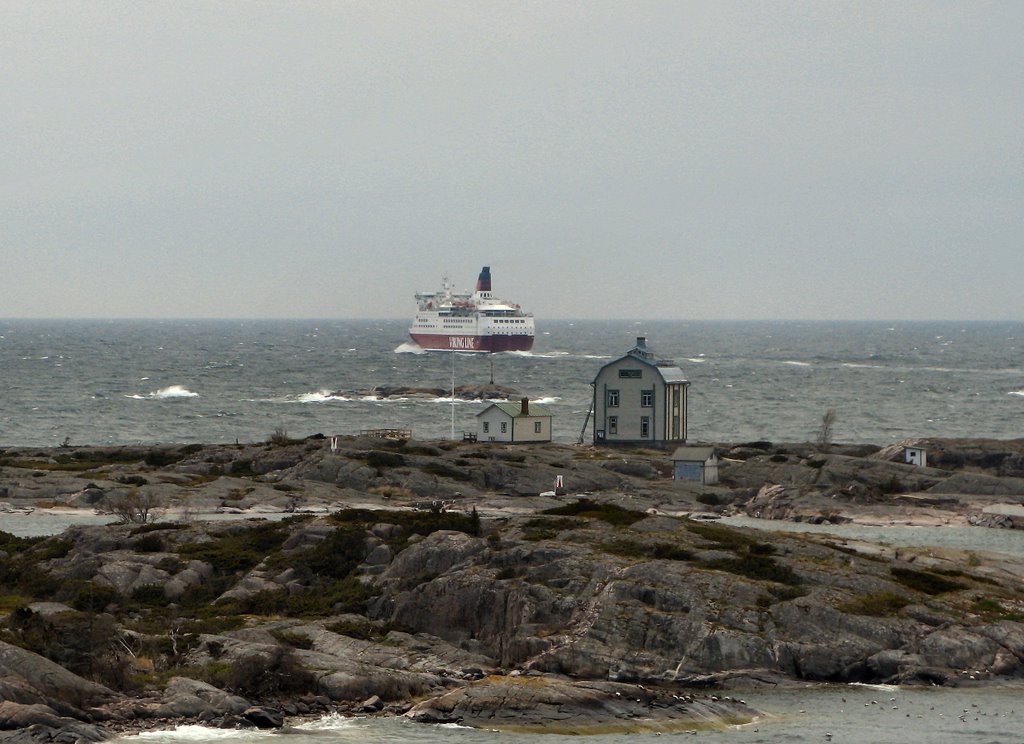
[506, 421]
[698, 464]
[916, 456]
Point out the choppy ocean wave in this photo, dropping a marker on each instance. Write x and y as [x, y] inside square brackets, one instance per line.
[171, 392]
[243, 379]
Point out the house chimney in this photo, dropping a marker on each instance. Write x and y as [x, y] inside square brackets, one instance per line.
[641, 342]
[526, 407]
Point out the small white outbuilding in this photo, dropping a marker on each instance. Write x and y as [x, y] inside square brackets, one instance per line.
[916, 456]
[507, 421]
[697, 464]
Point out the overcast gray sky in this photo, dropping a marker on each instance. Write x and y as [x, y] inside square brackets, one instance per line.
[860, 160]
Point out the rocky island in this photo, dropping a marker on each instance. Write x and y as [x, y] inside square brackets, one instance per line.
[444, 581]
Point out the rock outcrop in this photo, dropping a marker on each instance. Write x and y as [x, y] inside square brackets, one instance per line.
[448, 573]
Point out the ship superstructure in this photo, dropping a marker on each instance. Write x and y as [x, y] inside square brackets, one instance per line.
[447, 320]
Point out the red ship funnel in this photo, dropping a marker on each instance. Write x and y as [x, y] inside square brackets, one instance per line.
[483, 282]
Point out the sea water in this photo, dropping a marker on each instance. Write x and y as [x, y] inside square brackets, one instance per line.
[849, 714]
[117, 382]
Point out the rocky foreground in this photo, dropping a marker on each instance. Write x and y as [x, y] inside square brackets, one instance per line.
[446, 581]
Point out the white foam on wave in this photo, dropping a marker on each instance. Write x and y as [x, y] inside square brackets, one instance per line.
[197, 733]
[457, 400]
[856, 365]
[321, 396]
[329, 722]
[174, 391]
[1017, 392]
[409, 348]
[555, 355]
[696, 360]
[797, 364]
[171, 392]
[547, 401]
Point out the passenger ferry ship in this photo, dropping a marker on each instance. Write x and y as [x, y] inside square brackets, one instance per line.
[446, 320]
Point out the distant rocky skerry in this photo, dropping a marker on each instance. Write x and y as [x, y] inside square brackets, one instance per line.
[442, 581]
[462, 392]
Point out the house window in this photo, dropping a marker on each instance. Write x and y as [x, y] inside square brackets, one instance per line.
[536, 427]
[504, 427]
[631, 373]
[645, 427]
[613, 398]
[647, 398]
[487, 426]
[613, 424]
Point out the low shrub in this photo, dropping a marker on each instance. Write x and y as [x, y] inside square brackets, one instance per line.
[443, 470]
[132, 480]
[587, 509]
[237, 551]
[150, 595]
[925, 582]
[150, 543]
[382, 459]
[412, 522]
[992, 609]
[885, 604]
[547, 528]
[758, 567]
[91, 597]
[362, 630]
[648, 551]
[279, 672]
[292, 638]
[722, 536]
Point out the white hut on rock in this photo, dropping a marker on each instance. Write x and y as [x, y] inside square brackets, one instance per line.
[697, 464]
[916, 456]
[507, 421]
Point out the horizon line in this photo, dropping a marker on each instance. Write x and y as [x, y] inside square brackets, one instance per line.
[322, 319]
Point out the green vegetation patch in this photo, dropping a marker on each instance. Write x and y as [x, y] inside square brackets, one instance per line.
[758, 567]
[339, 597]
[993, 610]
[60, 467]
[336, 556]
[158, 527]
[548, 528]
[723, 537]
[360, 629]
[292, 638]
[13, 544]
[237, 551]
[382, 459]
[925, 582]
[443, 470]
[412, 522]
[647, 551]
[587, 509]
[884, 604]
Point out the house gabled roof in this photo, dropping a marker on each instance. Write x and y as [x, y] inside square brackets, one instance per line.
[515, 409]
[668, 370]
[693, 454]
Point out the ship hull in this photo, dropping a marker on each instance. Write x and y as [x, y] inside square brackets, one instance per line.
[468, 342]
